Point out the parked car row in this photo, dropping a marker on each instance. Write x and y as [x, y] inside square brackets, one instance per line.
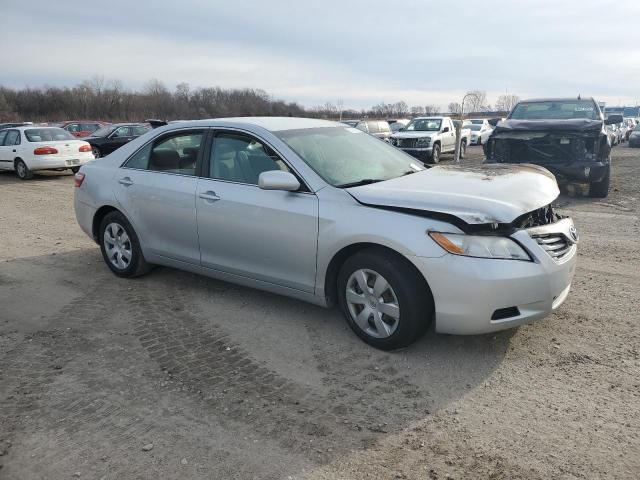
[26, 147]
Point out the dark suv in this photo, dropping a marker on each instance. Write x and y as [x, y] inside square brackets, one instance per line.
[567, 136]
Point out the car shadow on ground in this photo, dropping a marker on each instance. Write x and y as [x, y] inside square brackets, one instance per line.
[289, 372]
[9, 176]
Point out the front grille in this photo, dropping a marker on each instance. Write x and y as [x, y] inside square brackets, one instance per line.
[555, 244]
[407, 142]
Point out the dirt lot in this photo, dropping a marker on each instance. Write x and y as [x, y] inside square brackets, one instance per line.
[227, 382]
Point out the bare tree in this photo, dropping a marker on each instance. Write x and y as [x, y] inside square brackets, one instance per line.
[455, 108]
[506, 102]
[476, 101]
[431, 109]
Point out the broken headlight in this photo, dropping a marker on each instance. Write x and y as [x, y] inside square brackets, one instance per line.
[480, 246]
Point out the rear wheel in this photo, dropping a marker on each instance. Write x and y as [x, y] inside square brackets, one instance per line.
[120, 246]
[435, 153]
[601, 189]
[22, 171]
[96, 152]
[384, 299]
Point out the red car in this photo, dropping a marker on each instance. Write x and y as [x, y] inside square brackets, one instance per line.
[82, 128]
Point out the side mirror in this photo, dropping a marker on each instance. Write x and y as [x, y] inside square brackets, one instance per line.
[278, 180]
[494, 121]
[445, 129]
[613, 119]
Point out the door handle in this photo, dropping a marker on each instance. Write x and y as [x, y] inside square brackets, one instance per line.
[14, 150]
[209, 196]
[126, 181]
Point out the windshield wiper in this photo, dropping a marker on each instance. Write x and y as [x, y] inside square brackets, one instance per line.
[359, 183]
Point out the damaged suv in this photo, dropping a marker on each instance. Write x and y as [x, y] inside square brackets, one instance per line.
[567, 136]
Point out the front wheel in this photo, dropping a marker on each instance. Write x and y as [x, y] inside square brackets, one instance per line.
[385, 300]
[22, 171]
[96, 152]
[75, 169]
[120, 247]
[601, 189]
[435, 154]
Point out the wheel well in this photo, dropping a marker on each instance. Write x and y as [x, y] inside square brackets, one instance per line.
[331, 277]
[15, 160]
[97, 219]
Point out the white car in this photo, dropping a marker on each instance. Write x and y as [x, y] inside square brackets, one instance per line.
[28, 149]
[480, 130]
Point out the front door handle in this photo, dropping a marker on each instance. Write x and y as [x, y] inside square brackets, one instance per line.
[126, 181]
[209, 196]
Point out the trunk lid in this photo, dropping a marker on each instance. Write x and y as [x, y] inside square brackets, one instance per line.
[484, 194]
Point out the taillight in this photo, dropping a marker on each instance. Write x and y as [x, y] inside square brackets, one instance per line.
[85, 148]
[45, 151]
[78, 179]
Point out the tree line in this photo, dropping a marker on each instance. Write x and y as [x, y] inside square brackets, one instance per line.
[108, 100]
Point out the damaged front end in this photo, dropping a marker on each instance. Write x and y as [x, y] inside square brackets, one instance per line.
[577, 153]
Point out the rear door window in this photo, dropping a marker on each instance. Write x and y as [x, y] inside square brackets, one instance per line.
[177, 153]
[12, 137]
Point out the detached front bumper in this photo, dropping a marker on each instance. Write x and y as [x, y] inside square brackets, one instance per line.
[478, 295]
[579, 171]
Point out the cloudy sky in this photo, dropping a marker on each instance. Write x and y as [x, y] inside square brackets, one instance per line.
[360, 52]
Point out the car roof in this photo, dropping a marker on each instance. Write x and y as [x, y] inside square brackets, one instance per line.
[272, 124]
[556, 99]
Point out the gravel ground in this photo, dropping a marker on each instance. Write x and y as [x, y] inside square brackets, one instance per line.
[178, 376]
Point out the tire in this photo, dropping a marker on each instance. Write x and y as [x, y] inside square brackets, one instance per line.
[96, 152]
[479, 141]
[22, 171]
[601, 189]
[463, 149]
[435, 154]
[405, 288]
[75, 169]
[116, 251]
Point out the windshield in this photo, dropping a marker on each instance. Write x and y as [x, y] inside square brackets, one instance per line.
[424, 125]
[555, 110]
[343, 156]
[104, 131]
[47, 134]
[480, 122]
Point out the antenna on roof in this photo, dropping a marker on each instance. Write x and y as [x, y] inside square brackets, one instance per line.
[578, 96]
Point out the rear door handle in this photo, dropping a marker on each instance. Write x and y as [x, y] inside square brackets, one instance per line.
[209, 196]
[126, 181]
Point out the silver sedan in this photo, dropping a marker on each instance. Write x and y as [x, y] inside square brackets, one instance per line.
[325, 213]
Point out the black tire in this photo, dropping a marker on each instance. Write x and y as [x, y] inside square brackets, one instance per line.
[137, 265]
[22, 171]
[97, 153]
[75, 169]
[601, 189]
[413, 296]
[479, 140]
[463, 149]
[435, 154]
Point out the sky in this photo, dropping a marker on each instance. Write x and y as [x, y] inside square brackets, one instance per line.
[359, 53]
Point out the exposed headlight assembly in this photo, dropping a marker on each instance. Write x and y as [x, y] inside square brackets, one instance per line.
[423, 142]
[480, 246]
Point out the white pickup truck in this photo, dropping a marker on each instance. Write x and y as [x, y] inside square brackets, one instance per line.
[426, 138]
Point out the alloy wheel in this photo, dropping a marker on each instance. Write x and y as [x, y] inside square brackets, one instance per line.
[117, 245]
[372, 303]
[21, 169]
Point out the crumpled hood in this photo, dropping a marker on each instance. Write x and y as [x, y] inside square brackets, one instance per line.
[413, 134]
[483, 194]
[571, 125]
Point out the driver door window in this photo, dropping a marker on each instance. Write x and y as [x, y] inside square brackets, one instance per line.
[241, 158]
